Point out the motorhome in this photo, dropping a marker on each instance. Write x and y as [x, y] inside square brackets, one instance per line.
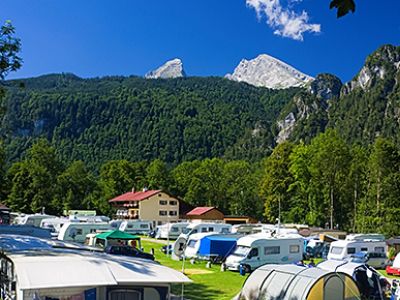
[170, 230]
[256, 250]
[34, 269]
[76, 232]
[136, 226]
[373, 244]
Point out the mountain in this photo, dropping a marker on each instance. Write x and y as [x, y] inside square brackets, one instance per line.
[267, 71]
[362, 109]
[171, 69]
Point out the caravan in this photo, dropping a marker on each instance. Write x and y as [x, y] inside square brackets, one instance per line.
[205, 227]
[32, 220]
[372, 244]
[76, 232]
[256, 250]
[170, 230]
[136, 227]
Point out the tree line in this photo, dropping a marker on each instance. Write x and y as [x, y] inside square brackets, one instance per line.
[325, 183]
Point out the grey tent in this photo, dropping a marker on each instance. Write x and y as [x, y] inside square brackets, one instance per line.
[291, 282]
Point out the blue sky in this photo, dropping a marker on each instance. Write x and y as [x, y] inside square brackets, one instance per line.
[93, 38]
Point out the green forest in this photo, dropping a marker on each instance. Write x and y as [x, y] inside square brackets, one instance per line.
[73, 143]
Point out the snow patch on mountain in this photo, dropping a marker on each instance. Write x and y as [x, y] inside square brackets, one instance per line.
[267, 71]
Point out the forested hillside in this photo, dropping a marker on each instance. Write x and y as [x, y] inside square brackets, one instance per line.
[175, 120]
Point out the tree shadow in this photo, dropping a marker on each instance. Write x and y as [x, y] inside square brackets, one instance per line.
[195, 291]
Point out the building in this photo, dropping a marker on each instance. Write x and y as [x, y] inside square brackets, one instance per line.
[150, 205]
[4, 214]
[205, 213]
[240, 220]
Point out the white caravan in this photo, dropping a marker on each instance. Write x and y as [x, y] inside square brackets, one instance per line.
[76, 232]
[170, 230]
[373, 244]
[193, 244]
[136, 227]
[53, 224]
[32, 220]
[205, 227]
[255, 250]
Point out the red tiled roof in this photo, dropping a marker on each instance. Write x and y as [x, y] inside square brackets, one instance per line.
[3, 207]
[135, 196]
[199, 211]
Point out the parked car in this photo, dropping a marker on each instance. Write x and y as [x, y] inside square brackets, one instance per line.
[128, 251]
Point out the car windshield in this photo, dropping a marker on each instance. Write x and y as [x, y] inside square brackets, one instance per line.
[241, 251]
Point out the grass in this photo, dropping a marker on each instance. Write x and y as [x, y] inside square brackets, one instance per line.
[208, 283]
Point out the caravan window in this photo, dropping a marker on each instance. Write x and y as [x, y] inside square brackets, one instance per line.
[380, 249]
[225, 230]
[92, 230]
[336, 250]
[364, 249]
[191, 243]
[174, 229]
[144, 226]
[351, 250]
[130, 226]
[294, 248]
[210, 229]
[272, 250]
[204, 229]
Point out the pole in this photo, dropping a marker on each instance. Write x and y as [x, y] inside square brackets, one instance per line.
[279, 214]
[168, 235]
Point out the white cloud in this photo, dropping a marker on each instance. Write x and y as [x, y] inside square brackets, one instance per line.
[285, 21]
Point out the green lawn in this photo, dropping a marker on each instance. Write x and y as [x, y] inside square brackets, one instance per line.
[208, 283]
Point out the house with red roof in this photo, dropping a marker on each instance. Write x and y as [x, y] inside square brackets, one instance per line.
[205, 213]
[150, 205]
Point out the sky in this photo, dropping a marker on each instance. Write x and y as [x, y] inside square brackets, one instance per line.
[94, 38]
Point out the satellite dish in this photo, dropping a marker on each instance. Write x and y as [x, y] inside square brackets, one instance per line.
[179, 246]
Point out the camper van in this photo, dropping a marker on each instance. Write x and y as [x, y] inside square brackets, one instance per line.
[136, 227]
[374, 245]
[259, 249]
[76, 232]
[205, 227]
[170, 230]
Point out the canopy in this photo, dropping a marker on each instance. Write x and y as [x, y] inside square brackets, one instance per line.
[217, 245]
[117, 235]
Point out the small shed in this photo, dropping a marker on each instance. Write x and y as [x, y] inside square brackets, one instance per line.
[205, 213]
[116, 236]
[287, 282]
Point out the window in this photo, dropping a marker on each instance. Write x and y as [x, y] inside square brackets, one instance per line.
[294, 248]
[351, 250]
[192, 243]
[162, 212]
[163, 202]
[210, 229]
[203, 229]
[380, 249]
[272, 250]
[336, 250]
[173, 213]
[364, 249]
[79, 231]
[130, 226]
[144, 226]
[225, 230]
[173, 202]
[253, 253]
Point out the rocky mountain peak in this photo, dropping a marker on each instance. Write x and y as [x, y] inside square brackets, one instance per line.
[267, 71]
[384, 62]
[171, 69]
[325, 86]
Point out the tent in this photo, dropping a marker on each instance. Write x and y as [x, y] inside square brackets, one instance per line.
[216, 247]
[117, 235]
[287, 282]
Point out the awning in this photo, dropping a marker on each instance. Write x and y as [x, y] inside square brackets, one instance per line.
[117, 235]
